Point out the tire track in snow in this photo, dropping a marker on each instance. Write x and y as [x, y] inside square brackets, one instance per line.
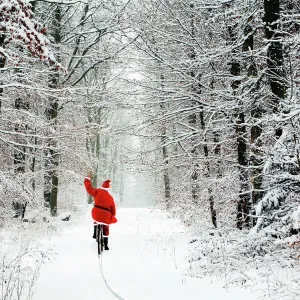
[103, 277]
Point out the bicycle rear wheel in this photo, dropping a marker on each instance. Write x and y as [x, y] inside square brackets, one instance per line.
[99, 238]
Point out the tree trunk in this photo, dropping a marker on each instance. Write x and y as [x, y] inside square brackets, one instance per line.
[54, 194]
[166, 172]
[52, 176]
[33, 162]
[54, 160]
[192, 119]
[256, 130]
[244, 194]
[20, 154]
[166, 175]
[274, 55]
[207, 175]
[47, 178]
[93, 145]
[121, 184]
[2, 65]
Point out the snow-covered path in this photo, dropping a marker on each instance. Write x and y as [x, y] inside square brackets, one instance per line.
[146, 249]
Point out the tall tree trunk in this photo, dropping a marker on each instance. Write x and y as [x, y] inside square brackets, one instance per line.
[195, 165]
[213, 212]
[89, 147]
[256, 130]
[2, 65]
[33, 162]
[166, 171]
[244, 193]
[274, 55]
[53, 114]
[166, 175]
[192, 119]
[54, 157]
[94, 145]
[20, 154]
[47, 177]
[121, 184]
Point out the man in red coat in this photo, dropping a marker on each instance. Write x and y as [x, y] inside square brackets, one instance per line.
[104, 209]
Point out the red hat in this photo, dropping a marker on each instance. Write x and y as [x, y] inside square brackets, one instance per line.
[105, 184]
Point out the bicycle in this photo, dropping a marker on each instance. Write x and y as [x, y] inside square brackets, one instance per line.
[99, 237]
[100, 242]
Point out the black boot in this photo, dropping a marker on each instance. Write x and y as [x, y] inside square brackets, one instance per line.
[94, 235]
[105, 243]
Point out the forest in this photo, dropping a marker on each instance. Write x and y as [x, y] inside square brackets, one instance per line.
[198, 98]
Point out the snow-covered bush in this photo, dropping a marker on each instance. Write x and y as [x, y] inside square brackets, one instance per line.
[11, 192]
[237, 258]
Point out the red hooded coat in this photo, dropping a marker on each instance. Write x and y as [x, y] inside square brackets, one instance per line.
[104, 199]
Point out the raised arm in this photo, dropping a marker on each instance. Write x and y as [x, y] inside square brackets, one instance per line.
[88, 186]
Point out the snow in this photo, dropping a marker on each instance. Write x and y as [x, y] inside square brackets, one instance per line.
[21, 29]
[296, 218]
[147, 260]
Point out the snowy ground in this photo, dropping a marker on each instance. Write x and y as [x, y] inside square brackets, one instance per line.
[146, 260]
